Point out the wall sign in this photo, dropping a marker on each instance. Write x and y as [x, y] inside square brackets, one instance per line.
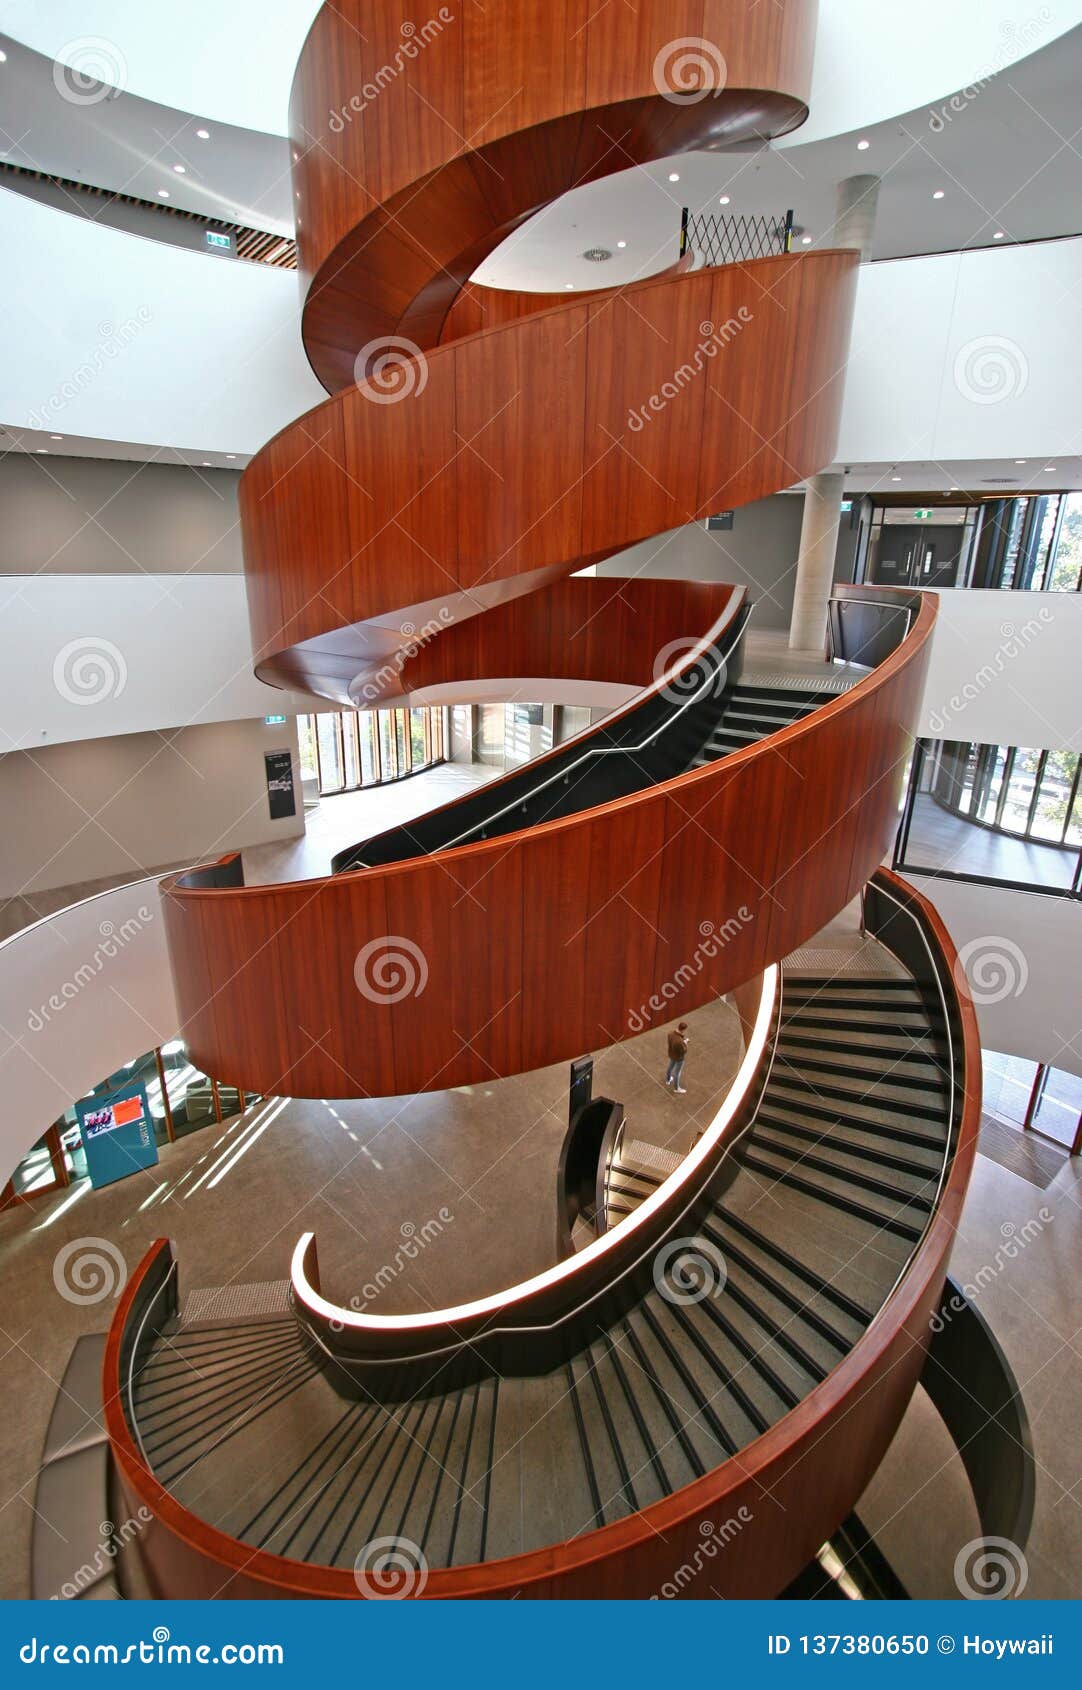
[117, 1134]
[221, 243]
[721, 522]
[281, 797]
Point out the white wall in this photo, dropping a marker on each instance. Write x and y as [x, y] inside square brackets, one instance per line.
[874, 61]
[105, 965]
[166, 347]
[233, 63]
[155, 344]
[89, 655]
[1021, 953]
[1004, 670]
[136, 802]
[966, 355]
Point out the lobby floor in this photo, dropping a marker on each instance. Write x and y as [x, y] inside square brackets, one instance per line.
[940, 840]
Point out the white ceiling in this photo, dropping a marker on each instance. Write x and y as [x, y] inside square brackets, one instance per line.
[1009, 161]
[230, 62]
[131, 145]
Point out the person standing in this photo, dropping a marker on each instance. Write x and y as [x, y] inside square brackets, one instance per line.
[678, 1051]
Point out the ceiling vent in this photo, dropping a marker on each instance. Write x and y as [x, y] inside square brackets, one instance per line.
[999, 481]
[597, 255]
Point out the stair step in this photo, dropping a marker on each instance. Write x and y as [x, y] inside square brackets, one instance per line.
[636, 1154]
[222, 1304]
[890, 1215]
[846, 1163]
[930, 1081]
[860, 1141]
[791, 1085]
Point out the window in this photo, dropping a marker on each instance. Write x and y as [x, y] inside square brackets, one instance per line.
[1003, 813]
[349, 749]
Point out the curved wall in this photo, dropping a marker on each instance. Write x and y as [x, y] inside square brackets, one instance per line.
[154, 344]
[81, 993]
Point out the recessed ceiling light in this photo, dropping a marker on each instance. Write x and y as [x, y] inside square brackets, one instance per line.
[231, 455]
[1049, 469]
[674, 175]
[181, 169]
[938, 195]
[56, 437]
[570, 287]
[724, 200]
[3, 57]
[206, 464]
[862, 146]
[1021, 460]
[163, 193]
[895, 478]
[805, 240]
[998, 236]
[621, 244]
[44, 450]
[204, 135]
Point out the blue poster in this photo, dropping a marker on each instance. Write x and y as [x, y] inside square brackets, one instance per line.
[118, 1135]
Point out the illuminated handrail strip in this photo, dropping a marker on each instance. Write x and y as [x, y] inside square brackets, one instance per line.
[344, 1319]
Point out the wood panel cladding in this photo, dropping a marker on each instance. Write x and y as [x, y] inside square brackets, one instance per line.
[527, 451]
[416, 148]
[606, 629]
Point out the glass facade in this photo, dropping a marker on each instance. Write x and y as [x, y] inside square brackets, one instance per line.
[182, 1100]
[345, 750]
[1003, 813]
[1028, 542]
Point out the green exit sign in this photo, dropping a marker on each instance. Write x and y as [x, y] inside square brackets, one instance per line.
[922, 516]
[216, 240]
[273, 721]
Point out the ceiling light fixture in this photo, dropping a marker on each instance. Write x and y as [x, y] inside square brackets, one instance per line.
[3, 57]
[998, 236]
[895, 478]
[938, 195]
[231, 456]
[204, 135]
[674, 175]
[621, 245]
[805, 240]
[724, 200]
[1049, 469]
[1021, 460]
[163, 193]
[181, 169]
[862, 146]
[56, 437]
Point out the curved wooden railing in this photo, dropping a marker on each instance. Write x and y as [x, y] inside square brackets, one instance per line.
[790, 1487]
[387, 981]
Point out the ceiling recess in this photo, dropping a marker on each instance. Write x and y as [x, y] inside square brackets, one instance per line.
[597, 254]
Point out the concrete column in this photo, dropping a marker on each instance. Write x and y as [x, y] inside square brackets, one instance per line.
[815, 565]
[855, 211]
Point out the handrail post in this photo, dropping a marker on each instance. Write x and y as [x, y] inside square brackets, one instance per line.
[789, 224]
[684, 232]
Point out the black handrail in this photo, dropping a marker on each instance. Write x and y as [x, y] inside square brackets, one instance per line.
[630, 749]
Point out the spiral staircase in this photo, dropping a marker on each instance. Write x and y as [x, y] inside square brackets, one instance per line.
[582, 1433]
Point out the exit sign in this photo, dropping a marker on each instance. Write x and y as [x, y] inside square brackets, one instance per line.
[922, 516]
[273, 721]
[225, 242]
